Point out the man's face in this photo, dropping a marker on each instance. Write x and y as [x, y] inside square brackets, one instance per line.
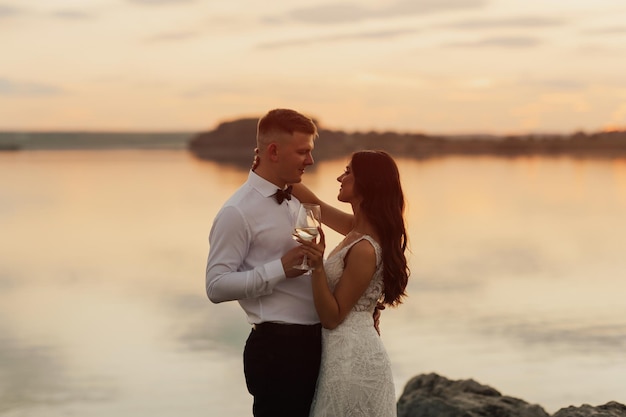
[294, 155]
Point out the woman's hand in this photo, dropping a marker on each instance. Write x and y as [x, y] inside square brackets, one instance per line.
[313, 250]
[379, 307]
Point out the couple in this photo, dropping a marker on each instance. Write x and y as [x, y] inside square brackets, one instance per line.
[293, 367]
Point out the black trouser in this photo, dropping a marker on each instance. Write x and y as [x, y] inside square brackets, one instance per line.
[281, 363]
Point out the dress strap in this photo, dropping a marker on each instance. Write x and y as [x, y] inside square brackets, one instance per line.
[375, 245]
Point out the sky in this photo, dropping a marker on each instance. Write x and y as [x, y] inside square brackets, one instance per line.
[430, 66]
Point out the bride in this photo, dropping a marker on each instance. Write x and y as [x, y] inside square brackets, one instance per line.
[367, 268]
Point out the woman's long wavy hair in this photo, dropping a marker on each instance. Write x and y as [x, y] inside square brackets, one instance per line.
[377, 181]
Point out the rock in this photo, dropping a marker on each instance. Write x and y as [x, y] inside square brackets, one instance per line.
[610, 409]
[431, 395]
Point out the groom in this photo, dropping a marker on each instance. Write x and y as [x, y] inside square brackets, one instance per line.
[251, 259]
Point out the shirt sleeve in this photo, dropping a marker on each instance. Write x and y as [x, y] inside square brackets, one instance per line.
[229, 242]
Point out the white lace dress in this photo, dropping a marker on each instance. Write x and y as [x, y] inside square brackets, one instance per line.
[355, 375]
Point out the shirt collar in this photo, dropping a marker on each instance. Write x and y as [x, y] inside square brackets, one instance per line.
[263, 186]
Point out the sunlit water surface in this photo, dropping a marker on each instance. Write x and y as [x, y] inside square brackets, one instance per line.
[519, 276]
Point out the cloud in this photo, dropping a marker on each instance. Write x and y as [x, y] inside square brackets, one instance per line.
[615, 30]
[515, 22]
[561, 84]
[402, 8]
[8, 11]
[371, 35]
[223, 86]
[332, 13]
[13, 88]
[558, 85]
[66, 14]
[159, 2]
[498, 42]
[71, 15]
[172, 37]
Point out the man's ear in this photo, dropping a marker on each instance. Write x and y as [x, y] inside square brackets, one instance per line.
[272, 151]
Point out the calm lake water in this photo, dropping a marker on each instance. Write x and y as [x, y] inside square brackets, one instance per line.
[518, 281]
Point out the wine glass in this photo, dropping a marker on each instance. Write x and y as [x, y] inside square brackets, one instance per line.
[307, 222]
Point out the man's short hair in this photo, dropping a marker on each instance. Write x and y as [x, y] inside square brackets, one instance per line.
[284, 121]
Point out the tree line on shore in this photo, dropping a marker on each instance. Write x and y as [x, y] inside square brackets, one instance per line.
[233, 142]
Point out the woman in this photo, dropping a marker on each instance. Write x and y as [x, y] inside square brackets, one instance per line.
[367, 267]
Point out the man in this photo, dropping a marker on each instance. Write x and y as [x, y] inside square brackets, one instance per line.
[252, 258]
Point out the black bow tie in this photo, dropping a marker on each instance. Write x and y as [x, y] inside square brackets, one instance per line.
[282, 195]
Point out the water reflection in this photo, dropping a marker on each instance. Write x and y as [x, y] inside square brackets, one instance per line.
[518, 276]
[563, 336]
[35, 377]
[227, 327]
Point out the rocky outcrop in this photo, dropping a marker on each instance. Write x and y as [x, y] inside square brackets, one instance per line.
[432, 395]
[610, 409]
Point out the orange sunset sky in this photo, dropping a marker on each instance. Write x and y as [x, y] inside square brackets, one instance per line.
[436, 66]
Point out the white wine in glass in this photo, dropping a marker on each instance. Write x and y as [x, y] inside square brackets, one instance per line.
[309, 218]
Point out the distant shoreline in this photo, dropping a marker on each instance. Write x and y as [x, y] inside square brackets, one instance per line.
[76, 140]
[232, 142]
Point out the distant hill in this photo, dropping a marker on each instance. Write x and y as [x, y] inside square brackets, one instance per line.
[13, 141]
[234, 142]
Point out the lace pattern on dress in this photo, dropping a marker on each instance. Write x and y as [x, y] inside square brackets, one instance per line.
[355, 377]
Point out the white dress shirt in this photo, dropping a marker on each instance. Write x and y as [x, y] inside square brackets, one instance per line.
[250, 234]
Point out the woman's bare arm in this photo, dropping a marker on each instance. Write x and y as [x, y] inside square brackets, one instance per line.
[360, 266]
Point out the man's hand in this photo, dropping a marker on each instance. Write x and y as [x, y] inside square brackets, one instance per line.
[291, 259]
[379, 307]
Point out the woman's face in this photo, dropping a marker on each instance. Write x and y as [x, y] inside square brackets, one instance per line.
[346, 190]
